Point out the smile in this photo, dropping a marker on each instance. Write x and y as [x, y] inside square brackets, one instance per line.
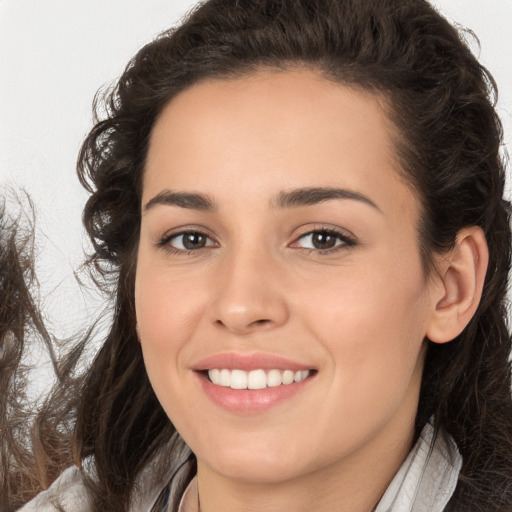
[252, 383]
[255, 379]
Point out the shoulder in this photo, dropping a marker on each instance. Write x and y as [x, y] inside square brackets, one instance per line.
[67, 493]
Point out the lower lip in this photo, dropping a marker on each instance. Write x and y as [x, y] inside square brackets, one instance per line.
[250, 401]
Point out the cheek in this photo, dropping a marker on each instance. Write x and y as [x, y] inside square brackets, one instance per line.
[374, 302]
[166, 308]
[167, 315]
[372, 323]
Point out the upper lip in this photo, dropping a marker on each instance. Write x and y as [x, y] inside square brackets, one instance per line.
[248, 362]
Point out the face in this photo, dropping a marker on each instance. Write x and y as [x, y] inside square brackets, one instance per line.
[280, 297]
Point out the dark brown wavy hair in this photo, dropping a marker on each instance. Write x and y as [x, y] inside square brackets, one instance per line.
[22, 331]
[441, 101]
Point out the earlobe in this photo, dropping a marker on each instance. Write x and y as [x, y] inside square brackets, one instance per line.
[462, 275]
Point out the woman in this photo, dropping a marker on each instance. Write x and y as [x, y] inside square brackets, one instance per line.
[301, 207]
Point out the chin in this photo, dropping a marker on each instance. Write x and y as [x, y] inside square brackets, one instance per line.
[256, 472]
[254, 465]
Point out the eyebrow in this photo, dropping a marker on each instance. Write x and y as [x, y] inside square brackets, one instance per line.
[314, 195]
[307, 196]
[189, 200]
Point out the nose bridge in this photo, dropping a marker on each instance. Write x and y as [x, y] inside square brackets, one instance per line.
[248, 293]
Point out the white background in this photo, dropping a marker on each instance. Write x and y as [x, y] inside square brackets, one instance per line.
[55, 54]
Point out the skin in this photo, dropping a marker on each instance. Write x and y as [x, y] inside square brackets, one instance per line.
[357, 313]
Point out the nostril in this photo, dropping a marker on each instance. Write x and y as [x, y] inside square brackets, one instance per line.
[262, 324]
[244, 327]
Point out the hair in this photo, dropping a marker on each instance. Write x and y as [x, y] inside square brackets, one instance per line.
[16, 275]
[447, 138]
[22, 330]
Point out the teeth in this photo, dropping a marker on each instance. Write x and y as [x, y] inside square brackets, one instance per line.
[274, 378]
[238, 379]
[224, 377]
[215, 375]
[255, 379]
[288, 376]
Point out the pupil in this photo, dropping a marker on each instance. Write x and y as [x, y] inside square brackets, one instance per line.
[194, 240]
[323, 241]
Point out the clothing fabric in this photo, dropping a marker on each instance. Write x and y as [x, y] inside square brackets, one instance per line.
[424, 483]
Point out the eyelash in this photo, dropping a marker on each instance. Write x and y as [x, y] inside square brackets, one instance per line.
[164, 243]
[347, 241]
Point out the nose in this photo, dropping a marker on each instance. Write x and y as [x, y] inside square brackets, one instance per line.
[248, 295]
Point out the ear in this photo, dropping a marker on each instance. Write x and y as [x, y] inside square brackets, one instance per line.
[461, 279]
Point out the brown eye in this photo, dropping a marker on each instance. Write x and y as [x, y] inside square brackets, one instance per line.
[324, 240]
[189, 241]
[194, 240]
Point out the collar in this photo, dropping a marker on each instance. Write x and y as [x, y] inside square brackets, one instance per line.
[427, 478]
[190, 499]
[425, 481]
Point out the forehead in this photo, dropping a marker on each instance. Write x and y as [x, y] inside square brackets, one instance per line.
[283, 129]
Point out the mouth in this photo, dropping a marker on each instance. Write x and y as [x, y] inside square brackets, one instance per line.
[257, 379]
[252, 383]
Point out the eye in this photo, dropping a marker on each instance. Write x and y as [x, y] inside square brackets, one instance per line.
[186, 241]
[324, 240]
